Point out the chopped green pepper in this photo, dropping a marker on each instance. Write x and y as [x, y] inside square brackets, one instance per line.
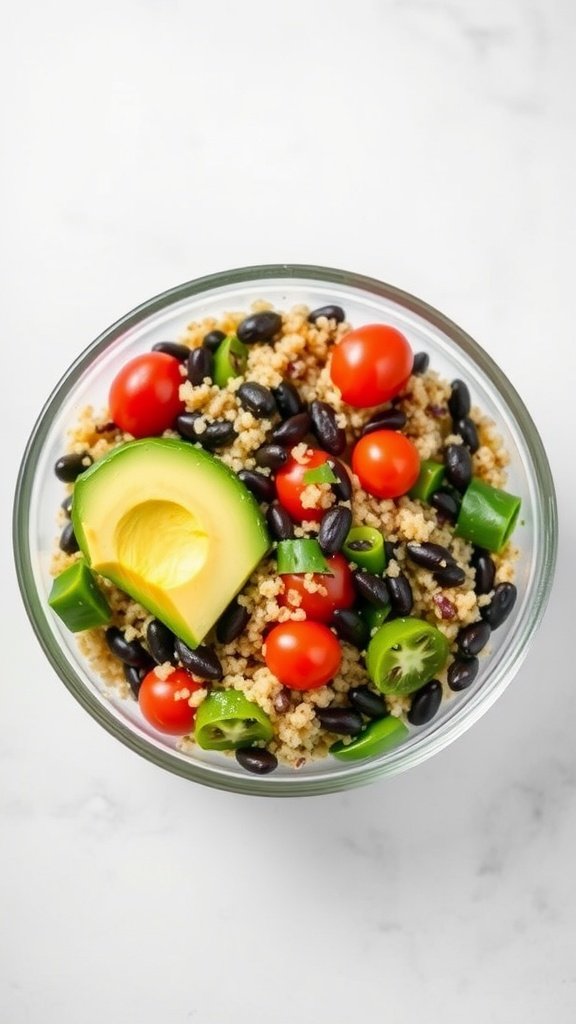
[365, 546]
[301, 555]
[379, 736]
[230, 360]
[429, 479]
[487, 515]
[404, 654]
[227, 720]
[373, 616]
[77, 599]
[323, 474]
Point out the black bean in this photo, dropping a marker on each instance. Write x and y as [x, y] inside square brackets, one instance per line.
[458, 464]
[217, 435]
[160, 641]
[429, 556]
[467, 430]
[270, 456]
[172, 348]
[388, 419]
[425, 703]
[324, 425]
[287, 399]
[67, 504]
[257, 399]
[232, 622]
[351, 627]
[200, 365]
[462, 673]
[213, 340]
[450, 576]
[400, 594]
[446, 504]
[68, 467]
[291, 431]
[131, 652]
[202, 661]
[421, 362]
[68, 542]
[334, 528]
[501, 605]
[134, 677]
[473, 638]
[345, 721]
[259, 327]
[262, 487]
[369, 703]
[256, 760]
[342, 487]
[459, 401]
[330, 312]
[372, 588]
[485, 571]
[185, 425]
[279, 522]
[390, 549]
[282, 701]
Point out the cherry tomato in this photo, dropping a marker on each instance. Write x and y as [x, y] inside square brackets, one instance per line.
[143, 397]
[386, 463]
[371, 365]
[157, 702]
[290, 484]
[341, 593]
[303, 655]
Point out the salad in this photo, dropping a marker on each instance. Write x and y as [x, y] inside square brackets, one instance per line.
[285, 537]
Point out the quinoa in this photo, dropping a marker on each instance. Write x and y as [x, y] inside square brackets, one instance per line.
[301, 354]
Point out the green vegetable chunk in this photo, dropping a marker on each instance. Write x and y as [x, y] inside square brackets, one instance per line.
[487, 515]
[302, 555]
[373, 616]
[227, 720]
[429, 480]
[320, 475]
[230, 360]
[379, 736]
[404, 654]
[365, 546]
[77, 599]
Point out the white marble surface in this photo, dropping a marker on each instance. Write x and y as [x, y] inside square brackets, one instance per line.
[427, 142]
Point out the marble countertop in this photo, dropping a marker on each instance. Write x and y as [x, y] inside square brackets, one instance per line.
[429, 143]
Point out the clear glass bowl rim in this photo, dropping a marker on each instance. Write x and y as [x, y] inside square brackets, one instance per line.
[358, 774]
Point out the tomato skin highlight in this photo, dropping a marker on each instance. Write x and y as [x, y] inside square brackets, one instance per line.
[144, 396]
[386, 463]
[160, 709]
[371, 365]
[320, 607]
[303, 655]
[290, 484]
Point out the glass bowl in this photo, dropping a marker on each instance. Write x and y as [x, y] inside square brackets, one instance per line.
[452, 352]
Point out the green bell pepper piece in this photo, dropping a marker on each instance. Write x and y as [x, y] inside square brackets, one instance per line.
[230, 360]
[381, 735]
[77, 599]
[365, 546]
[487, 515]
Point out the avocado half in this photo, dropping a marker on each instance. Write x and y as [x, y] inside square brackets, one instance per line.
[173, 527]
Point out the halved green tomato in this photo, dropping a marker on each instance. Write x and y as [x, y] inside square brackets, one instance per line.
[379, 736]
[227, 720]
[404, 654]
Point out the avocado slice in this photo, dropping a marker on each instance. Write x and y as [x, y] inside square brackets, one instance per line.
[172, 526]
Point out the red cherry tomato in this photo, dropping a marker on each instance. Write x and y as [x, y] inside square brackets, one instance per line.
[371, 364]
[156, 698]
[290, 484]
[144, 398]
[340, 587]
[386, 463]
[303, 655]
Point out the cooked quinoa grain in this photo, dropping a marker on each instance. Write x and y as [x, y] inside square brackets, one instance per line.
[301, 354]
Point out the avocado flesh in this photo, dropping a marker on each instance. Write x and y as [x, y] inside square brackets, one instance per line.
[173, 527]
